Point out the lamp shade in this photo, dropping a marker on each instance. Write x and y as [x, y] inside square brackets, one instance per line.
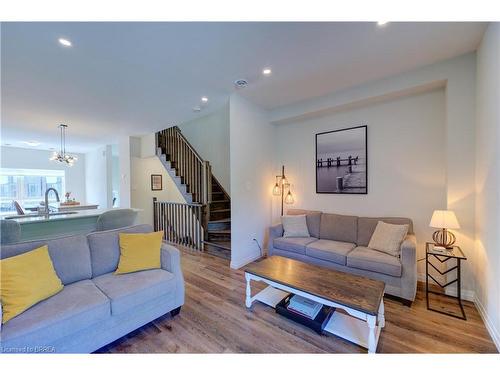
[444, 219]
[276, 189]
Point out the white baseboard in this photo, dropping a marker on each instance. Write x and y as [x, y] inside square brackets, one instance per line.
[487, 322]
[242, 262]
[467, 294]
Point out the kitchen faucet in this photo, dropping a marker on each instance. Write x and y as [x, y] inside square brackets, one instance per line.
[47, 210]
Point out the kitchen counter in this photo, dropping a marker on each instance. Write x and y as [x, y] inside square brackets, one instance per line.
[35, 226]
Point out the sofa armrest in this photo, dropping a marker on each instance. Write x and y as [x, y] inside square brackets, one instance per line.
[171, 262]
[170, 258]
[274, 232]
[409, 266]
[409, 249]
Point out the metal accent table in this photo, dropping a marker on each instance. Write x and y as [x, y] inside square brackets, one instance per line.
[443, 256]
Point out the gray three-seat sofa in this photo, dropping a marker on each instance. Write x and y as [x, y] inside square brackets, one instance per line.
[340, 242]
[96, 306]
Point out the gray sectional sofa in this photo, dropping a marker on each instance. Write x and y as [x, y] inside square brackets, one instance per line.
[340, 242]
[96, 306]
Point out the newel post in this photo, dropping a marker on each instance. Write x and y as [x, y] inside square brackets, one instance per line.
[155, 214]
[207, 194]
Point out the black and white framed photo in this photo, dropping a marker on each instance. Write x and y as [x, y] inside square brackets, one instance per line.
[342, 161]
[156, 182]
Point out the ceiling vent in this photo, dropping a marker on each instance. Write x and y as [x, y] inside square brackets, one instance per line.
[240, 83]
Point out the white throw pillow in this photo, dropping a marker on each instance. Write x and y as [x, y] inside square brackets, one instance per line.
[295, 226]
[388, 237]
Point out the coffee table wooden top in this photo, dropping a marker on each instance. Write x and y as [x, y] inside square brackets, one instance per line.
[357, 292]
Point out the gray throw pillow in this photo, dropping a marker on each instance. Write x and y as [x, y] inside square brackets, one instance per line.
[294, 226]
[388, 237]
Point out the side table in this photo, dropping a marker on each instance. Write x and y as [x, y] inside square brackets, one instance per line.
[443, 256]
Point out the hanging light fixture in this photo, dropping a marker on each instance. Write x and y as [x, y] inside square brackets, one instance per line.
[289, 197]
[62, 156]
[277, 187]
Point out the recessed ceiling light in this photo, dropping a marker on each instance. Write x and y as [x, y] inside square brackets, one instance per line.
[65, 42]
[197, 109]
[31, 143]
[204, 99]
[382, 23]
[266, 71]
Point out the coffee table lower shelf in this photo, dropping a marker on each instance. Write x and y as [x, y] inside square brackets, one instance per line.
[354, 326]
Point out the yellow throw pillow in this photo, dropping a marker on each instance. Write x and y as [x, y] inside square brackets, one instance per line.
[139, 251]
[25, 280]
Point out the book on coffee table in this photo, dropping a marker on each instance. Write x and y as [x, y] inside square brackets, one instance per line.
[304, 306]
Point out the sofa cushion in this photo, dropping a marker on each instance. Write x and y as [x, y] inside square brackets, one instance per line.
[372, 260]
[367, 225]
[341, 228]
[132, 289]
[76, 307]
[294, 226]
[25, 280]
[105, 248]
[388, 237]
[313, 219]
[333, 251]
[139, 251]
[293, 244]
[70, 256]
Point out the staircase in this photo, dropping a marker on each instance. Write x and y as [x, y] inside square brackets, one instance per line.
[193, 176]
[218, 234]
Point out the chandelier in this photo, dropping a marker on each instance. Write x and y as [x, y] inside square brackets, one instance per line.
[62, 156]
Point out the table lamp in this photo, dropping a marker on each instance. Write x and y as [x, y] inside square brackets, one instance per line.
[444, 220]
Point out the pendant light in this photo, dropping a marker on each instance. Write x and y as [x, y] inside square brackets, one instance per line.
[62, 156]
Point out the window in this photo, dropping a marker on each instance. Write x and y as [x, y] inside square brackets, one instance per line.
[28, 186]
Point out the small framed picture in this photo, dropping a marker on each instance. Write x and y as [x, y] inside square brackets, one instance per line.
[156, 182]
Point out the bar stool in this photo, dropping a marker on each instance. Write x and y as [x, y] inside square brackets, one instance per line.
[115, 219]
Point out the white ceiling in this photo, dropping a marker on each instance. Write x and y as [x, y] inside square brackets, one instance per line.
[135, 78]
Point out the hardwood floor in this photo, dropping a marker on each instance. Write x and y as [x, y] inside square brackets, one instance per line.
[214, 320]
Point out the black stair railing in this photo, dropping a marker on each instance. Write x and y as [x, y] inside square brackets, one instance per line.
[181, 223]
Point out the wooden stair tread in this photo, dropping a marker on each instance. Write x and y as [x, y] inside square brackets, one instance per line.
[218, 252]
[227, 220]
[226, 245]
[219, 231]
[221, 210]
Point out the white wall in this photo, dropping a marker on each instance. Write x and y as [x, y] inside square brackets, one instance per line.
[251, 179]
[98, 177]
[142, 195]
[406, 161]
[14, 157]
[487, 267]
[209, 135]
